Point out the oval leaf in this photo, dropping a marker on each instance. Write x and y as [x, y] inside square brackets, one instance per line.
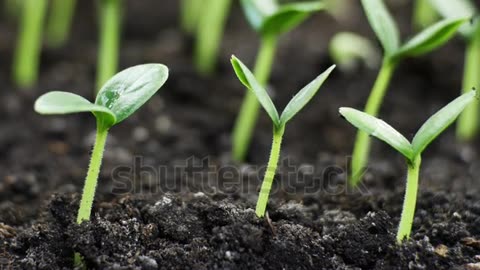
[457, 9]
[58, 102]
[247, 79]
[438, 122]
[304, 96]
[128, 90]
[378, 128]
[383, 25]
[257, 11]
[431, 38]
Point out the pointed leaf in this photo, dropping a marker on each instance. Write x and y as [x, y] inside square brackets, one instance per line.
[58, 102]
[382, 24]
[457, 9]
[378, 128]
[248, 79]
[437, 123]
[431, 38]
[304, 96]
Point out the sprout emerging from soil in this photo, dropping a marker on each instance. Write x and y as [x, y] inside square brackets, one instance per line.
[387, 32]
[270, 20]
[468, 123]
[279, 121]
[433, 127]
[120, 97]
[59, 22]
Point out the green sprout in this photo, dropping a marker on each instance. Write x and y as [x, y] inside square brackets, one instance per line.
[29, 43]
[59, 22]
[270, 20]
[279, 121]
[387, 32]
[110, 20]
[348, 49]
[424, 14]
[120, 97]
[190, 11]
[433, 127]
[468, 123]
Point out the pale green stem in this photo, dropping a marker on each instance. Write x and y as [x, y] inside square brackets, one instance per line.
[270, 171]
[467, 127]
[424, 14]
[27, 53]
[191, 10]
[410, 201]
[59, 22]
[361, 150]
[209, 34]
[247, 117]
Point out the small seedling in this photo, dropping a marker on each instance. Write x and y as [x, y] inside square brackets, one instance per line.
[387, 32]
[348, 50]
[120, 97]
[190, 11]
[424, 14]
[433, 127]
[468, 123]
[279, 121]
[59, 22]
[270, 20]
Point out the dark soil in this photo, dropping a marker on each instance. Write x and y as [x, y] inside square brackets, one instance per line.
[170, 197]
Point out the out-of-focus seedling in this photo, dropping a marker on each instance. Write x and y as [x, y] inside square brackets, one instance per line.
[59, 22]
[348, 50]
[433, 127]
[190, 11]
[279, 121]
[424, 14]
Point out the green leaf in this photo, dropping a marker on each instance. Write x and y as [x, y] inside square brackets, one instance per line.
[58, 102]
[248, 79]
[378, 128]
[129, 89]
[457, 9]
[304, 96]
[438, 122]
[431, 38]
[382, 24]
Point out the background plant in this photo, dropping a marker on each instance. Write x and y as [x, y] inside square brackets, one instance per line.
[279, 121]
[387, 32]
[270, 20]
[59, 22]
[433, 127]
[348, 49]
[424, 14]
[190, 11]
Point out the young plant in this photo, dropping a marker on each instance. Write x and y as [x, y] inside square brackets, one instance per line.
[387, 32]
[468, 123]
[424, 14]
[433, 127]
[210, 28]
[270, 20]
[190, 11]
[59, 22]
[110, 20]
[29, 43]
[120, 97]
[348, 50]
[279, 121]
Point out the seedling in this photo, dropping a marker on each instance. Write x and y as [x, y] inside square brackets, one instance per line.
[270, 20]
[348, 49]
[110, 20]
[424, 14]
[387, 32]
[59, 22]
[190, 11]
[468, 125]
[120, 97]
[433, 127]
[279, 121]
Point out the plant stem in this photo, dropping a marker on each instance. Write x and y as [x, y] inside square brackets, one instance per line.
[467, 127]
[27, 54]
[60, 21]
[190, 13]
[270, 171]
[92, 176]
[361, 148]
[247, 117]
[110, 20]
[410, 201]
[423, 14]
[209, 34]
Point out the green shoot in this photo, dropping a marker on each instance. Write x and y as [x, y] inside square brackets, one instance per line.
[209, 34]
[387, 32]
[270, 20]
[431, 129]
[110, 20]
[279, 121]
[120, 97]
[27, 54]
[468, 123]
[190, 11]
[59, 22]
[348, 50]
[424, 14]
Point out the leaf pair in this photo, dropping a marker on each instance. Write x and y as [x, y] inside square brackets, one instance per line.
[387, 32]
[295, 104]
[269, 18]
[433, 127]
[120, 97]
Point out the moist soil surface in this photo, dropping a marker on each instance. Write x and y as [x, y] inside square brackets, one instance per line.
[169, 196]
